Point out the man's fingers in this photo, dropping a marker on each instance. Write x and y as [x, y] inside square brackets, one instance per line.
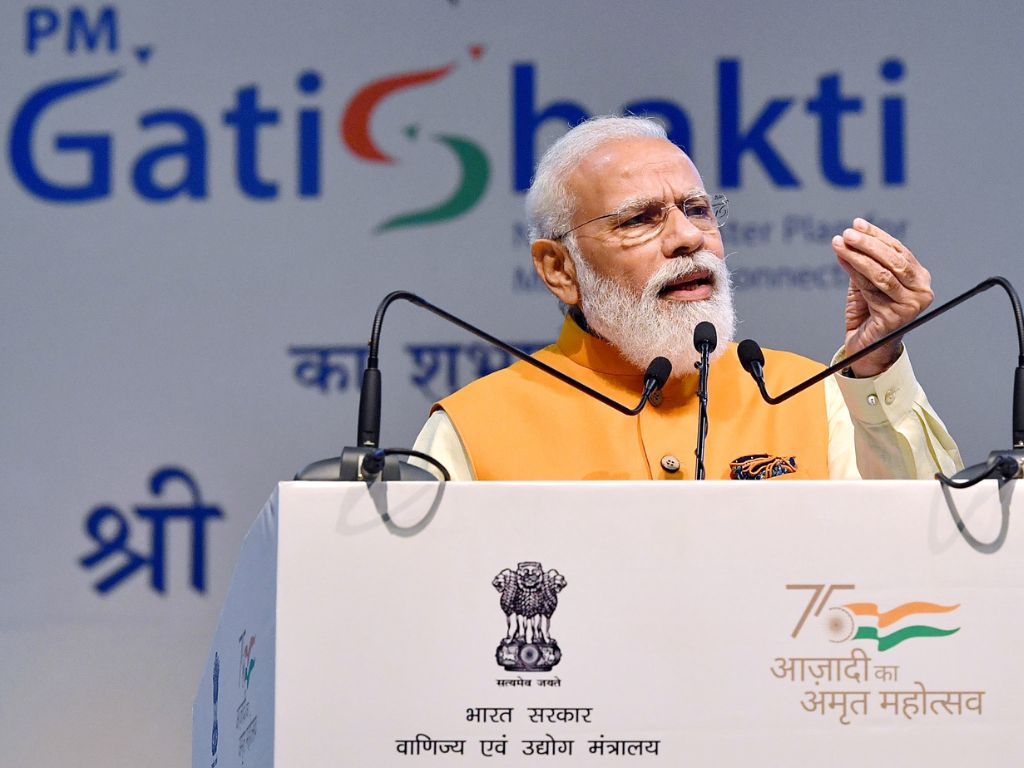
[896, 258]
[888, 286]
[881, 262]
[879, 244]
[870, 275]
[866, 227]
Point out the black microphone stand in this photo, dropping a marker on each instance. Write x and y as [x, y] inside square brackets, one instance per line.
[366, 460]
[1004, 464]
[705, 338]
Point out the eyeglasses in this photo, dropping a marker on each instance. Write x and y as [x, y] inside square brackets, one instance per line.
[638, 222]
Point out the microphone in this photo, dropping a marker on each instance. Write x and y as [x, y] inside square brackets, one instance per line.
[362, 462]
[1005, 464]
[656, 375]
[705, 335]
[750, 356]
[705, 339]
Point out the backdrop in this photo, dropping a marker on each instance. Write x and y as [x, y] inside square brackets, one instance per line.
[202, 204]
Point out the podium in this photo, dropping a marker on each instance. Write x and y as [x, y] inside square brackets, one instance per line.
[676, 624]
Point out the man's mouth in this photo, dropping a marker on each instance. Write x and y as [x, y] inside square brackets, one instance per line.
[697, 286]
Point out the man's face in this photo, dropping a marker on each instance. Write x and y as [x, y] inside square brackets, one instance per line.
[642, 168]
[643, 287]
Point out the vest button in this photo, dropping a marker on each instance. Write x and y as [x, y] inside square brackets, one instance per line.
[670, 463]
[656, 398]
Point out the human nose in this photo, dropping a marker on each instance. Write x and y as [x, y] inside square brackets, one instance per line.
[680, 235]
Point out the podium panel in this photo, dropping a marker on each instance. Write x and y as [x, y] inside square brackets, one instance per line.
[678, 624]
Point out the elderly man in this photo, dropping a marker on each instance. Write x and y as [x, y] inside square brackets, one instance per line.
[625, 236]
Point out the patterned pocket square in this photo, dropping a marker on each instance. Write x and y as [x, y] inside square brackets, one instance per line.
[760, 466]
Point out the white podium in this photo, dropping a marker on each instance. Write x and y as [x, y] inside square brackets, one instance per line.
[676, 624]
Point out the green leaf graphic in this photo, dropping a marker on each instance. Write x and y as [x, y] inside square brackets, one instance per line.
[475, 173]
[885, 642]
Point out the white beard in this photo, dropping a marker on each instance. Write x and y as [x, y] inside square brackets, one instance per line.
[642, 327]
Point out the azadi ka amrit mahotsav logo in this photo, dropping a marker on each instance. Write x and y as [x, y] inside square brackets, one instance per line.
[865, 621]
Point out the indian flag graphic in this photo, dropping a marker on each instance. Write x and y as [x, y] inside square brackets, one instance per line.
[863, 621]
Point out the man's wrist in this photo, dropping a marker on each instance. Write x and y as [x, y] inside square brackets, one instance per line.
[869, 366]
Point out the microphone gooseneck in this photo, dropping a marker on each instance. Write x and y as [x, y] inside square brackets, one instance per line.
[412, 298]
[1003, 465]
[984, 285]
[705, 339]
[366, 461]
[368, 427]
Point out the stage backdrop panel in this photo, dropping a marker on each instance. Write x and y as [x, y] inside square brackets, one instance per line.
[204, 202]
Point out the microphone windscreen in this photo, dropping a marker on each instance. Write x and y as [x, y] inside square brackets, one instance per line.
[705, 333]
[659, 370]
[750, 352]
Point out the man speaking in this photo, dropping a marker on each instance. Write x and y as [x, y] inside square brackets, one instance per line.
[625, 235]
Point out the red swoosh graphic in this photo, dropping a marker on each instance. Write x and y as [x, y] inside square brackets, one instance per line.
[355, 123]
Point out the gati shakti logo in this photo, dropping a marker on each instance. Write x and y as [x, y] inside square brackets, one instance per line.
[473, 163]
[57, 156]
[64, 147]
[246, 659]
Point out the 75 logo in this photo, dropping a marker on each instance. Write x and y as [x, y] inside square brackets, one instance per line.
[818, 600]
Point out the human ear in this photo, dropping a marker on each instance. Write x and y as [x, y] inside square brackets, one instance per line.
[555, 267]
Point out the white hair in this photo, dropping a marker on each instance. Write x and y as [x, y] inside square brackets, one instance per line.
[641, 327]
[549, 204]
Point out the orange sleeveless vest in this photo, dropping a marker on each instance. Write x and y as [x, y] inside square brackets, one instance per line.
[520, 424]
